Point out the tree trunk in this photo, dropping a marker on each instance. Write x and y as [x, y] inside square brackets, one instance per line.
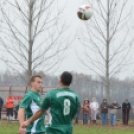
[30, 36]
[107, 84]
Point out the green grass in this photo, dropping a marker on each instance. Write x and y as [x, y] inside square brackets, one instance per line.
[9, 128]
[12, 128]
[102, 130]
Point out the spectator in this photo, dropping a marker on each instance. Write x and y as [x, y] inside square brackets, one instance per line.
[77, 115]
[113, 111]
[94, 109]
[48, 117]
[126, 106]
[85, 108]
[10, 106]
[104, 112]
[16, 110]
[1, 104]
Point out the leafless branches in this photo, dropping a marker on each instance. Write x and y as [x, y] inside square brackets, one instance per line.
[107, 39]
[33, 34]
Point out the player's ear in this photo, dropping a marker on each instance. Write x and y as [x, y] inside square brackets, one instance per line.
[60, 80]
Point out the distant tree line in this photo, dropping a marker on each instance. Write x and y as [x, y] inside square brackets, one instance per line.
[86, 86]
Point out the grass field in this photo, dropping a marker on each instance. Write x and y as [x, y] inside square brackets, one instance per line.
[12, 128]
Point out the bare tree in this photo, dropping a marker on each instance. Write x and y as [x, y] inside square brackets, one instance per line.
[33, 35]
[107, 39]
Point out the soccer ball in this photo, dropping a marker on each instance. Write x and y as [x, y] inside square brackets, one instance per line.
[85, 12]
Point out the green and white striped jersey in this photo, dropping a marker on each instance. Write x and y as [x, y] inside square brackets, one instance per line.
[32, 103]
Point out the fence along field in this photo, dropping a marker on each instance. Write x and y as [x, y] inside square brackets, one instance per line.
[19, 91]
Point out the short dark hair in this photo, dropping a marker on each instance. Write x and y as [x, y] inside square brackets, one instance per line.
[34, 77]
[66, 78]
[86, 100]
[104, 99]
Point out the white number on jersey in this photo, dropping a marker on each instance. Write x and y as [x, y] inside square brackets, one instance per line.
[66, 106]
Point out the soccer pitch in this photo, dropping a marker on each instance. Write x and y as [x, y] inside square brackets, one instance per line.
[12, 128]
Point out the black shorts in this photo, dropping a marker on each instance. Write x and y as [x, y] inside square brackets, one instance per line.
[9, 111]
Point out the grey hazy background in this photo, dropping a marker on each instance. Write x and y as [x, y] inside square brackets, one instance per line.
[71, 62]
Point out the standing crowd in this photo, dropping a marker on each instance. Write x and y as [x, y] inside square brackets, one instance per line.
[62, 104]
[11, 108]
[90, 111]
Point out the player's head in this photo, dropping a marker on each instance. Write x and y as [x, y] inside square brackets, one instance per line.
[66, 78]
[36, 83]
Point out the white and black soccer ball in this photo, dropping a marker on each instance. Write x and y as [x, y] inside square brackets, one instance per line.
[85, 12]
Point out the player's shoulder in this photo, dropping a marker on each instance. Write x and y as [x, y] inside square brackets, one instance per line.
[28, 95]
[68, 92]
[71, 90]
[62, 91]
[75, 94]
[52, 91]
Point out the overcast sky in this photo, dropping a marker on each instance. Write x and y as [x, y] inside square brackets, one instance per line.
[71, 63]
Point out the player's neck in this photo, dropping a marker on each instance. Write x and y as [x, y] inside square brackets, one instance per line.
[34, 90]
[63, 86]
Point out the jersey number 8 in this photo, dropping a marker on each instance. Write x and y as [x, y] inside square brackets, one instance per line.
[66, 106]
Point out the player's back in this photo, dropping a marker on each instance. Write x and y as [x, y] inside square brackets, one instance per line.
[64, 105]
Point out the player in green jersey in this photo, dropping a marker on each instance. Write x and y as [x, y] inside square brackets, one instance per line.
[63, 103]
[30, 104]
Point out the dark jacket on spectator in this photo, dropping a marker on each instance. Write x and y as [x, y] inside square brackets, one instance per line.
[104, 107]
[1, 102]
[16, 109]
[114, 110]
[126, 107]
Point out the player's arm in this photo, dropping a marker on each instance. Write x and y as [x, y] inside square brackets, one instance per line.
[21, 115]
[25, 103]
[45, 105]
[37, 115]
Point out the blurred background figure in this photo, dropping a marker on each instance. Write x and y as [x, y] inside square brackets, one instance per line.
[1, 105]
[94, 109]
[77, 115]
[113, 111]
[48, 117]
[104, 112]
[9, 106]
[85, 111]
[126, 106]
[16, 108]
